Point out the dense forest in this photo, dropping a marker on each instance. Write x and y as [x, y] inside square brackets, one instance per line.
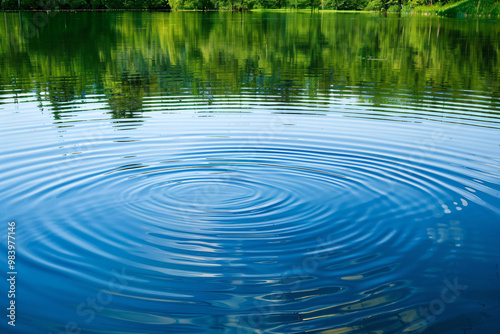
[487, 6]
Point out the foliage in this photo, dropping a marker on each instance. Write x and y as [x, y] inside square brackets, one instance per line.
[375, 5]
[85, 4]
[406, 9]
[451, 8]
[76, 4]
[345, 4]
[417, 3]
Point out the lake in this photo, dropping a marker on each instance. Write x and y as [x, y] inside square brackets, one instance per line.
[258, 172]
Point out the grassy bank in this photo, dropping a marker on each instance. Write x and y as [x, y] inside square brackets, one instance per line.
[462, 8]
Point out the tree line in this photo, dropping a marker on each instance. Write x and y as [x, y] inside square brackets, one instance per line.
[234, 5]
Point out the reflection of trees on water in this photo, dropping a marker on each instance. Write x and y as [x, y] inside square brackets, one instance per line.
[126, 56]
[125, 97]
[60, 93]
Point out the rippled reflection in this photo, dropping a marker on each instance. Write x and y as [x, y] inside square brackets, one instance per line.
[279, 172]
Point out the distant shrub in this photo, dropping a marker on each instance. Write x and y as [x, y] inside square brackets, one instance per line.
[375, 5]
[406, 9]
[97, 4]
[418, 3]
[394, 9]
[113, 4]
[9, 4]
[78, 4]
[156, 4]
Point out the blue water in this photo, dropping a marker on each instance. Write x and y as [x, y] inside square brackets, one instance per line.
[250, 211]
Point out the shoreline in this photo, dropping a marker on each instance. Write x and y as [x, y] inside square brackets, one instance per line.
[422, 10]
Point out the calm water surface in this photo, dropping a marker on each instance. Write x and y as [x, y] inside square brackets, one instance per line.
[251, 173]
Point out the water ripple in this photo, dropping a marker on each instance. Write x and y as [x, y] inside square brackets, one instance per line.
[156, 199]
